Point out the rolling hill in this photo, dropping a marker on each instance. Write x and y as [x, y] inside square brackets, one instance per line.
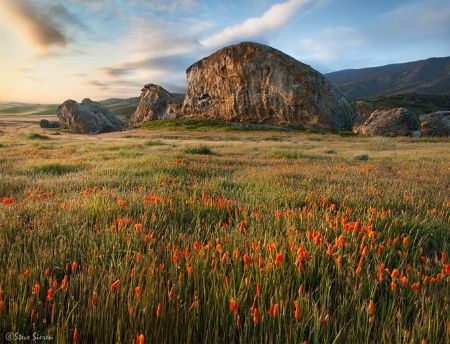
[430, 76]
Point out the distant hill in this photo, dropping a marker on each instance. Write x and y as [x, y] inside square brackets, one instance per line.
[419, 103]
[122, 108]
[431, 76]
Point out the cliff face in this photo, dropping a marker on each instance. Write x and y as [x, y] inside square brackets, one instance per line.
[252, 82]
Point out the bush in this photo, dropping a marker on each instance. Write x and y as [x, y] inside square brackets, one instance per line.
[202, 149]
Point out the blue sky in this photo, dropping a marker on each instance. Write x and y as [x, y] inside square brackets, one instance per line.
[55, 50]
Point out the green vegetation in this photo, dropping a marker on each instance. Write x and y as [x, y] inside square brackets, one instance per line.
[105, 239]
[419, 103]
[36, 136]
[34, 110]
[202, 150]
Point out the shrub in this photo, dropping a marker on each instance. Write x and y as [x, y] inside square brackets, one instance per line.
[361, 156]
[202, 149]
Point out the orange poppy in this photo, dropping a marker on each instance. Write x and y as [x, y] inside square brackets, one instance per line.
[233, 305]
[255, 316]
[371, 307]
[115, 285]
[297, 310]
[158, 310]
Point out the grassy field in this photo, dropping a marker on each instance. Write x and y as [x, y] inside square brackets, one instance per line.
[216, 236]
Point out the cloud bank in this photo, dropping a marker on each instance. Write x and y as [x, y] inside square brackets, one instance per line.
[259, 28]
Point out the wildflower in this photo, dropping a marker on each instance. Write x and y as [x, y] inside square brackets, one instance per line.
[443, 256]
[94, 299]
[415, 286]
[297, 310]
[255, 316]
[246, 259]
[115, 285]
[49, 294]
[36, 289]
[47, 272]
[158, 310]
[64, 283]
[224, 257]
[26, 273]
[2, 306]
[75, 335]
[404, 281]
[371, 307]
[258, 289]
[380, 249]
[279, 258]
[233, 305]
[273, 309]
[447, 268]
[172, 291]
[196, 246]
[138, 291]
[141, 339]
[394, 273]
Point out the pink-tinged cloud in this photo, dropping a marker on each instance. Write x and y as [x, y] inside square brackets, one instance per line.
[257, 28]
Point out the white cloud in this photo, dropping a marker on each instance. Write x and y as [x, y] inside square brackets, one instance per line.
[257, 28]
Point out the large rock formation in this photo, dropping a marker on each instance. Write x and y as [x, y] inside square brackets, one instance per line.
[87, 117]
[251, 82]
[156, 103]
[394, 122]
[436, 124]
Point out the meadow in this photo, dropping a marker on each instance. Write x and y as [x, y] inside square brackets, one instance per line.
[157, 235]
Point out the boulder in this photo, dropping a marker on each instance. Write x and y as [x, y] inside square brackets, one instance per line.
[393, 122]
[156, 103]
[251, 82]
[436, 124]
[44, 123]
[87, 117]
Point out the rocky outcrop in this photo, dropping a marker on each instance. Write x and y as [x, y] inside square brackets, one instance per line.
[156, 103]
[436, 124]
[394, 122]
[251, 82]
[44, 123]
[87, 117]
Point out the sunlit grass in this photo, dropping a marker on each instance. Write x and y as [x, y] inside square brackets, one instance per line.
[276, 237]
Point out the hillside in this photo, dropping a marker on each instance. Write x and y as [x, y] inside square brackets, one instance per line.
[431, 76]
[419, 103]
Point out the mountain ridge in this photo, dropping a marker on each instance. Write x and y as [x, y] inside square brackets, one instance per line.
[429, 76]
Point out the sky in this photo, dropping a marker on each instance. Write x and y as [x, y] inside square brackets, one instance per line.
[54, 50]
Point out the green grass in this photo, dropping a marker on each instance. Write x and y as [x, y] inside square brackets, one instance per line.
[202, 150]
[255, 222]
[36, 136]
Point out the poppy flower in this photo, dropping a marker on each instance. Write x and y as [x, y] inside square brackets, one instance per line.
[255, 316]
[233, 305]
[115, 285]
[371, 307]
[297, 310]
